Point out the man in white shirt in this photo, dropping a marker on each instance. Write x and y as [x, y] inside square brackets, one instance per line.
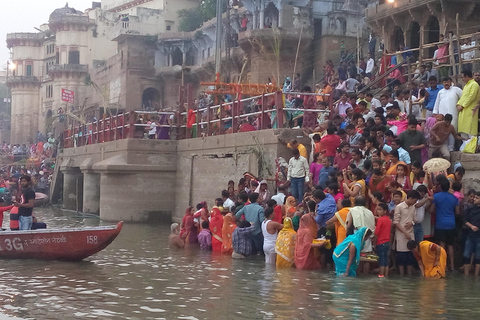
[374, 103]
[280, 196]
[152, 130]
[227, 202]
[370, 66]
[297, 174]
[447, 99]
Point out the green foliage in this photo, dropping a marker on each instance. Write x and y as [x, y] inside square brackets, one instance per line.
[192, 19]
[208, 9]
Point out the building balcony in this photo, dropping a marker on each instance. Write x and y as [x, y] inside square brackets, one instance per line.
[384, 9]
[16, 81]
[19, 38]
[79, 68]
[69, 19]
[122, 28]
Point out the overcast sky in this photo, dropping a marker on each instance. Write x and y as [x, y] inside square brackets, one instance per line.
[24, 15]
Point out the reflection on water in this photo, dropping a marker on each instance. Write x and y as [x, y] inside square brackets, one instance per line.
[138, 277]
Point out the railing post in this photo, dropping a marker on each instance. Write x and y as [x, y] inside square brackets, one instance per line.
[131, 124]
[221, 125]
[262, 114]
[234, 116]
[279, 108]
[209, 119]
[330, 102]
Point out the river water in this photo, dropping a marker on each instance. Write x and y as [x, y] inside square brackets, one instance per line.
[139, 277]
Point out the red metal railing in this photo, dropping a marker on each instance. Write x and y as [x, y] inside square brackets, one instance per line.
[209, 120]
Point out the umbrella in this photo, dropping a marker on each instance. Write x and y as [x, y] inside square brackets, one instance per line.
[436, 165]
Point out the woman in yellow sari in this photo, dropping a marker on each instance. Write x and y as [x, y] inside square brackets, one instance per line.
[290, 206]
[357, 187]
[394, 162]
[227, 230]
[432, 259]
[285, 246]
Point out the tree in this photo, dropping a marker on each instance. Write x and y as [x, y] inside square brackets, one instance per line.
[192, 19]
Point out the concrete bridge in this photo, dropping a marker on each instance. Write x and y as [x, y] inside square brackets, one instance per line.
[156, 180]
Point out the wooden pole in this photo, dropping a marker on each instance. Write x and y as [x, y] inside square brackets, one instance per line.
[358, 48]
[460, 60]
[422, 40]
[296, 56]
[409, 74]
[452, 59]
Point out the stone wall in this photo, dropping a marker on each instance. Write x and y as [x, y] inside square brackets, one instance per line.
[152, 180]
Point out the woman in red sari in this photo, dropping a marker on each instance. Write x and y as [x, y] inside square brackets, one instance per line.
[216, 226]
[227, 231]
[189, 227]
[384, 64]
[304, 254]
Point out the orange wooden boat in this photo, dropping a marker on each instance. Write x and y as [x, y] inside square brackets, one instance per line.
[57, 244]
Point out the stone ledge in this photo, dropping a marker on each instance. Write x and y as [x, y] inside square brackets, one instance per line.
[118, 164]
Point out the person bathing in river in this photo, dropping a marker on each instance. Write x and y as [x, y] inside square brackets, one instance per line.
[205, 236]
[431, 258]
[174, 240]
[347, 255]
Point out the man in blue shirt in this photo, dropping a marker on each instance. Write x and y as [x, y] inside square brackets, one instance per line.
[446, 207]
[253, 213]
[324, 174]
[326, 207]
[431, 97]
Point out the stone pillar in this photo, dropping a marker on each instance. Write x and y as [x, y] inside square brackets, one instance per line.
[136, 192]
[91, 192]
[72, 188]
[91, 188]
[280, 18]
[262, 16]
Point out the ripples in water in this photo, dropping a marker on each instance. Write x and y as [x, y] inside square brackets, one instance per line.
[138, 277]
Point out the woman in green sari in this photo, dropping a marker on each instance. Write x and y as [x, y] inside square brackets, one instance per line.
[347, 255]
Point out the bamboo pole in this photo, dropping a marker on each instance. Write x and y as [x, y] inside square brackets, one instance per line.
[460, 60]
[296, 56]
[422, 40]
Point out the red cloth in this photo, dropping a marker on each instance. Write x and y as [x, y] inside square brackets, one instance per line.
[304, 255]
[247, 127]
[383, 229]
[342, 162]
[14, 224]
[382, 187]
[191, 119]
[2, 210]
[330, 143]
[278, 215]
[216, 225]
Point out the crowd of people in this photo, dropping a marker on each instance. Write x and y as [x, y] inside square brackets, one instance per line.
[361, 196]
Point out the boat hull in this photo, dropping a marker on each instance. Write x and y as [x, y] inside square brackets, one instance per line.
[57, 244]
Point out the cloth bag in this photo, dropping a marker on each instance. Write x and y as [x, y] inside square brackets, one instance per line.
[469, 146]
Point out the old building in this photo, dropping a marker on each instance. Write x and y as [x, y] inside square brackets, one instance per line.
[281, 38]
[87, 63]
[128, 55]
[421, 22]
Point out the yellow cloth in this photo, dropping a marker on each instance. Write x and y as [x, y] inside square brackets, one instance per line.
[363, 189]
[340, 227]
[301, 148]
[285, 245]
[428, 258]
[467, 121]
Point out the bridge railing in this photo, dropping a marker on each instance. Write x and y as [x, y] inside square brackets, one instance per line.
[270, 110]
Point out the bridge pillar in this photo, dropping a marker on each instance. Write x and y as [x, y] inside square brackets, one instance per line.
[91, 188]
[72, 188]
